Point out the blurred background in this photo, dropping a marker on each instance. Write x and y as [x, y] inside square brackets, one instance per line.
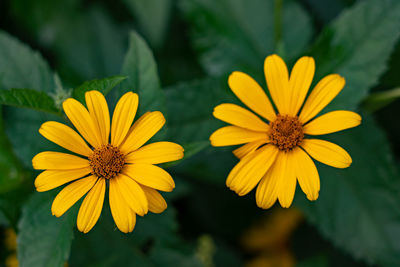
[54, 46]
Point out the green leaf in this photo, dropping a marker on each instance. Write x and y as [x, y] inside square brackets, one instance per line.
[152, 17]
[43, 239]
[105, 245]
[358, 207]
[20, 67]
[238, 35]
[28, 98]
[141, 69]
[98, 46]
[103, 85]
[190, 106]
[11, 174]
[357, 45]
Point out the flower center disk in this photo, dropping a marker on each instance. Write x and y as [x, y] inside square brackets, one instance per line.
[106, 162]
[286, 132]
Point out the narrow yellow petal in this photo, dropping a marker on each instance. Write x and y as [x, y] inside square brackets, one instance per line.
[233, 135]
[323, 93]
[98, 110]
[286, 178]
[327, 153]
[123, 116]
[267, 190]
[250, 169]
[65, 137]
[50, 179]
[157, 203]
[248, 148]
[332, 122]
[300, 80]
[91, 207]
[80, 118]
[251, 94]
[277, 77]
[239, 116]
[58, 161]
[133, 194]
[306, 173]
[143, 129]
[156, 153]
[124, 216]
[71, 194]
[150, 175]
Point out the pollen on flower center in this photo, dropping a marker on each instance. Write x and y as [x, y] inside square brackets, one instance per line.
[286, 132]
[106, 162]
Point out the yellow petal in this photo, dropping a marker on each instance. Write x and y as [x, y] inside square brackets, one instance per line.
[71, 194]
[332, 122]
[323, 93]
[286, 178]
[58, 161]
[239, 116]
[267, 190]
[327, 153]
[150, 175]
[143, 129]
[65, 137]
[48, 180]
[124, 216]
[91, 207]
[157, 203]
[248, 148]
[277, 77]
[98, 110]
[156, 153]
[300, 80]
[132, 193]
[306, 173]
[123, 116]
[251, 94]
[233, 135]
[250, 169]
[80, 118]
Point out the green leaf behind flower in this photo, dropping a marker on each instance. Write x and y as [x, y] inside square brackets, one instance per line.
[152, 17]
[357, 45]
[105, 246]
[358, 207]
[43, 239]
[238, 35]
[21, 67]
[141, 69]
[103, 85]
[28, 98]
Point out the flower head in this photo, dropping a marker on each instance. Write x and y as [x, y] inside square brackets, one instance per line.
[279, 145]
[122, 163]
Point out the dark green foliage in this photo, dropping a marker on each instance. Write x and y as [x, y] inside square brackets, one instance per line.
[355, 221]
[44, 240]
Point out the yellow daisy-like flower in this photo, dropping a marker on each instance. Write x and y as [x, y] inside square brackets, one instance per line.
[122, 162]
[276, 154]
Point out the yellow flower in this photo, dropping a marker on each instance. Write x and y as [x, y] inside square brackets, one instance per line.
[10, 241]
[121, 163]
[12, 261]
[278, 152]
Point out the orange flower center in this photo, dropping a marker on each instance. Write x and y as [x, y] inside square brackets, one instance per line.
[107, 161]
[286, 132]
